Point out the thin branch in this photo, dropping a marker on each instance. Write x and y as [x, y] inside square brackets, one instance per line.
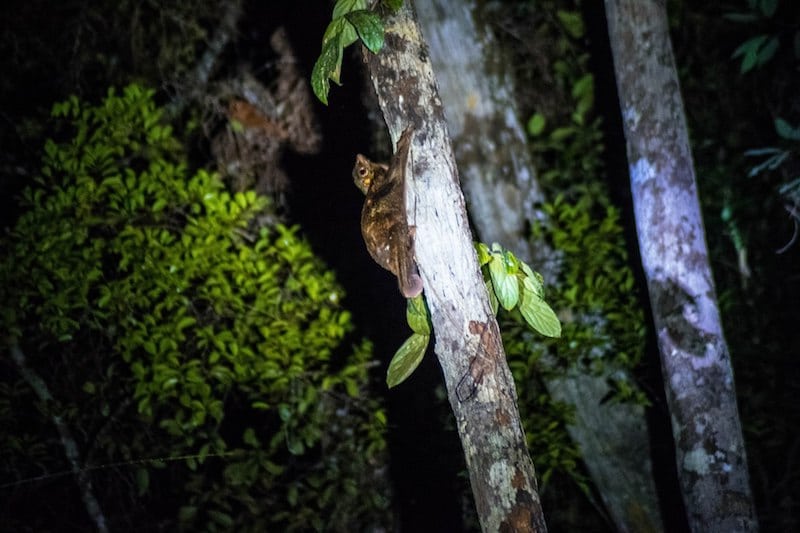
[70, 446]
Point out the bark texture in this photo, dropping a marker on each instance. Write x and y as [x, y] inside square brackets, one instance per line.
[468, 344]
[712, 466]
[499, 181]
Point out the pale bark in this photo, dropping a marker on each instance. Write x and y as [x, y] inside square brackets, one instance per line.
[467, 339]
[712, 466]
[67, 440]
[476, 88]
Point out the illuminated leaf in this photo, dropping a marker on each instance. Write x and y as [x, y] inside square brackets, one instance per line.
[343, 7]
[417, 315]
[484, 255]
[536, 124]
[540, 316]
[369, 28]
[506, 286]
[406, 359]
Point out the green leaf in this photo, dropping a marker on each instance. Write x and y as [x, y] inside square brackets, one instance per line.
[768, 7]
[540, 316]
[142, 481]
[492, 295]
[504, 279]
[406, 359]
[221, 518]
[187, 513]
[536, 124]
[534, 284]
[417, 315]
[786, 131]
[767, 52]
[343, 7]
[328, 67]
[755, 51]
[295, 446]
[484, 255]
[249, 437]
[369, 28]
[572, 22]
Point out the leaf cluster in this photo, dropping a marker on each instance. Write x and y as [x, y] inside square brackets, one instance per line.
[351, 21]
[182, 328]
[758, 50]
[511, 284]
[594, 295]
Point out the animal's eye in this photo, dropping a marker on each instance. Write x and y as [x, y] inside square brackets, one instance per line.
[362, 171]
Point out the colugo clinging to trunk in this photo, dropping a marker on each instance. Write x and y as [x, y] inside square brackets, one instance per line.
[384, 225]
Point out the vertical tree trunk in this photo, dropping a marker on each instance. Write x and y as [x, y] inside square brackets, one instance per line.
[468, 344]
[712, 466]
[476, 88]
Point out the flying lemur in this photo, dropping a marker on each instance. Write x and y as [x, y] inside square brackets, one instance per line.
[389, 239]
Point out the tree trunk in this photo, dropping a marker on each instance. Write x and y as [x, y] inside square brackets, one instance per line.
[711, 461]
[468, 344]
[475, 85]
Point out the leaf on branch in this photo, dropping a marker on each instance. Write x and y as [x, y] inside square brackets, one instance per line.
[503, 269]
[756, 51]
[328, 67]
[539, 315]
[343, 7]
[369, 28]
[417, 315]
[484, 255]
[351, 20]
[406, 359]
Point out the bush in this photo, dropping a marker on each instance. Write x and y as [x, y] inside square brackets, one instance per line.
[167, 324]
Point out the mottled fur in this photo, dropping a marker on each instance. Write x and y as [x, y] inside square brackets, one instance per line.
[389, 239]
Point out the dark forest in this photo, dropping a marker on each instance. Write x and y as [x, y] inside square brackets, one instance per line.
[400, 265]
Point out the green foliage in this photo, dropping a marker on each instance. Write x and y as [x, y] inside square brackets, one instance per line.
[594, 297]
[603, 323]
[350, 22]
[155, 289]
[510, 283]
[758, 50]
[409, 355]
[513, 285]
[603, 326]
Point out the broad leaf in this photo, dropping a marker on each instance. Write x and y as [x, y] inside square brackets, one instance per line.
[343, 7]
[506, 283]
[536, 124]
[327, 68]
[406, 359]
[369, 28]
[484, 255]
[572, 22]
[540, 316]
[533, 284]
[417, 315]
